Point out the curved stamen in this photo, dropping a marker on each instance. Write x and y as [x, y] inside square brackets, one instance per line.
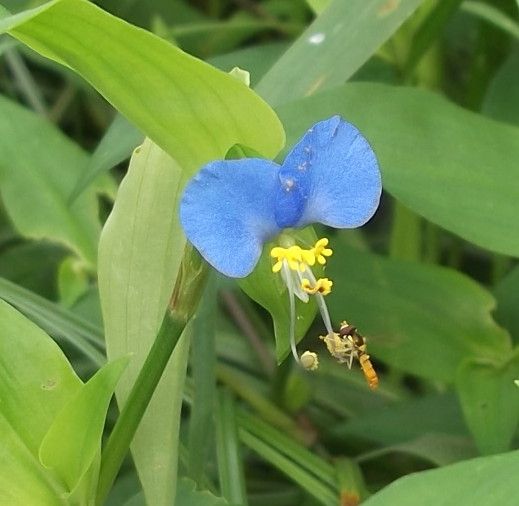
[321, 304]
[292, 328]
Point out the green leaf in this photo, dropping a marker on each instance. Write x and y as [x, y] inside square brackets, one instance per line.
[267, 289]
[187, 107]
[430, 29]
[187, 495]
[36, 382]
[333, 47]
[318, 6]
[230, 460]
[74, 438]
[293, 470]
[351, 482]
[502, 98]
[492, 15]
[490, 401]
[431, 152]
[405, 421]
[439, 449]
[478, 482]
[72, 281]
[32, 264]
[422, 319]
[216, 37]
[117, 144]
[203, 363]
[289, 447]
[40, 177]
[59, 322]
[507, 295]
[139, 255]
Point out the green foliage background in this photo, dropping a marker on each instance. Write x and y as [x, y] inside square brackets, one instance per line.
[90, 249]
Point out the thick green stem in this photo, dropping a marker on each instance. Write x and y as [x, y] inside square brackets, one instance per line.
[184, 301]
[122, 434]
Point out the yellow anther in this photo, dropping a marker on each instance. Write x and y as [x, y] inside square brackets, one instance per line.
[298, 258]
[308, 256]
[320, 251]
[293, 256]
[323, 286]
[309, 360]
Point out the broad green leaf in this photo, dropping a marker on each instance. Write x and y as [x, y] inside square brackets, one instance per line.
[333, 47]
[268, 290]
[490, 401]
[439, 449]
[187, 107]
[187, 495]
[476, 482]
[36, 382]
[139, 255]
[502, 98]
[74, 438]
[422, 319]
[432, 153]
[117, 144]
[507, 295]
[35, 182]
[405, 421]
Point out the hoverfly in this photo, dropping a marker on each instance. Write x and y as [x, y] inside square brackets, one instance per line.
[356, 346]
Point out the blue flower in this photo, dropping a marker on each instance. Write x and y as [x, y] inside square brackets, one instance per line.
[232, 207]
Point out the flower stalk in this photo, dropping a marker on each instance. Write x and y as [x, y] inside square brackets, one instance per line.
[186, 295]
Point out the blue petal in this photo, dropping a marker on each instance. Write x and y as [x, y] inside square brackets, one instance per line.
[291, 196]
[227, 212]
[336, 174]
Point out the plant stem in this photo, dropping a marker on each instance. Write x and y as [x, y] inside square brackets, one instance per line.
[190, 284]
[122, 434]
[23, 77]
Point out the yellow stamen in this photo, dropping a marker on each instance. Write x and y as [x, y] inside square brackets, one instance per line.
[293, 255]
[320, 251]
[298, 258]
[323, 286]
